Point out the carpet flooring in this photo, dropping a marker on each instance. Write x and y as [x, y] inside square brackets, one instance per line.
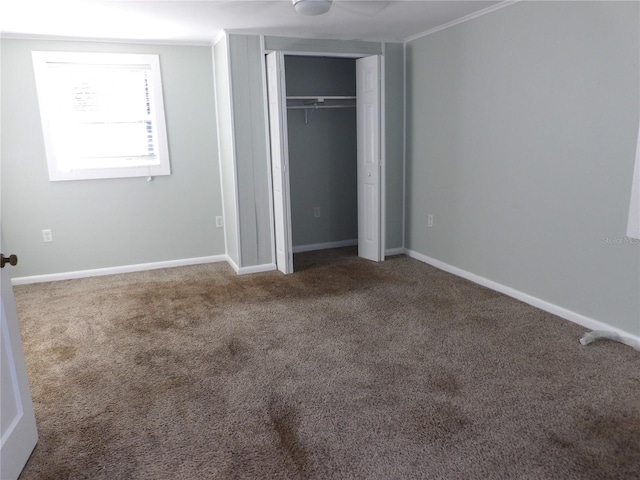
[346, 369]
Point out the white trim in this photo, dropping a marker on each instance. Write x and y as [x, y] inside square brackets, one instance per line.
[325, 246]
[233, 150]
[383, 153]
[219, 142]
[464, 19]
[232, 264]
[221, 34]
[562, 312]
[395, 251]
[266, 267]
[63, 38]
[265, 101]
[404, 144]
[98, 272]
[297, 53]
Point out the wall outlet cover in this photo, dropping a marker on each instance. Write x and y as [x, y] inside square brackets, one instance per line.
[47, 236]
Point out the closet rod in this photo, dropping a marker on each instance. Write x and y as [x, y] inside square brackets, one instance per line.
[321, 97]
[317, 107]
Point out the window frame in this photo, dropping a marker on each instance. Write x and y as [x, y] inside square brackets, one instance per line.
[45, 91]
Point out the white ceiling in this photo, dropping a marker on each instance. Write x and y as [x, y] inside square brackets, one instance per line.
[199, 22]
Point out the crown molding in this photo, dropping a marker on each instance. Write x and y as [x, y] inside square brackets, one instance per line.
[60, 38]
[464, 19]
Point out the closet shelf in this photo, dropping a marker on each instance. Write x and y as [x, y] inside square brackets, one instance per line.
[319, 102]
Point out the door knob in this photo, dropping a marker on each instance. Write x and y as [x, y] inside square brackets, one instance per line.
[11, 260]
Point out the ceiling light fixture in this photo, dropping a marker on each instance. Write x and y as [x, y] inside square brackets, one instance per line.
[312, 7]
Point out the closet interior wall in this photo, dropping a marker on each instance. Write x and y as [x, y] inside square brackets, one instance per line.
[322, 153]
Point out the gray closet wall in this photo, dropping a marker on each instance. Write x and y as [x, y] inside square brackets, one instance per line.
[244, 162]
[322, 153]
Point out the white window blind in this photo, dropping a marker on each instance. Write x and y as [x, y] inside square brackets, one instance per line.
[102, 115]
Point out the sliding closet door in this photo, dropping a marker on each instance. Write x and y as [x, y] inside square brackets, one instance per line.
[276, 92]
[369, 158]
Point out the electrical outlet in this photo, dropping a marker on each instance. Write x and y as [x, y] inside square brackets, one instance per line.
[219, 223]
[429, 220]
[47, 236]
[316, 212]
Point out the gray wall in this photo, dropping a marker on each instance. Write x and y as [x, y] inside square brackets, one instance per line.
[113, 222]
[243, 149]
[322, 153]
[521, 133]
[226, 148]
[394, 144]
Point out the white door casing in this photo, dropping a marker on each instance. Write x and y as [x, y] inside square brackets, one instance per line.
[368, 71]
[276, 93]
[18, 422]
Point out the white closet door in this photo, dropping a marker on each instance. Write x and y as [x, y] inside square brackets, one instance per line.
[369, 171]
[276, 91]
[18, 426]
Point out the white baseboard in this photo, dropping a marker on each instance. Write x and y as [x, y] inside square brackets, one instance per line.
[267, 267]
[97, 272]
[395, 251]
[232, 264]
[562, 312]
[325, 246]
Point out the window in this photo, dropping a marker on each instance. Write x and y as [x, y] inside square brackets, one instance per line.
[102, 115]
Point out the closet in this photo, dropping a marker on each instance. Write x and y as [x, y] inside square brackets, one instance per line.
[322, 141]
[325, 138]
